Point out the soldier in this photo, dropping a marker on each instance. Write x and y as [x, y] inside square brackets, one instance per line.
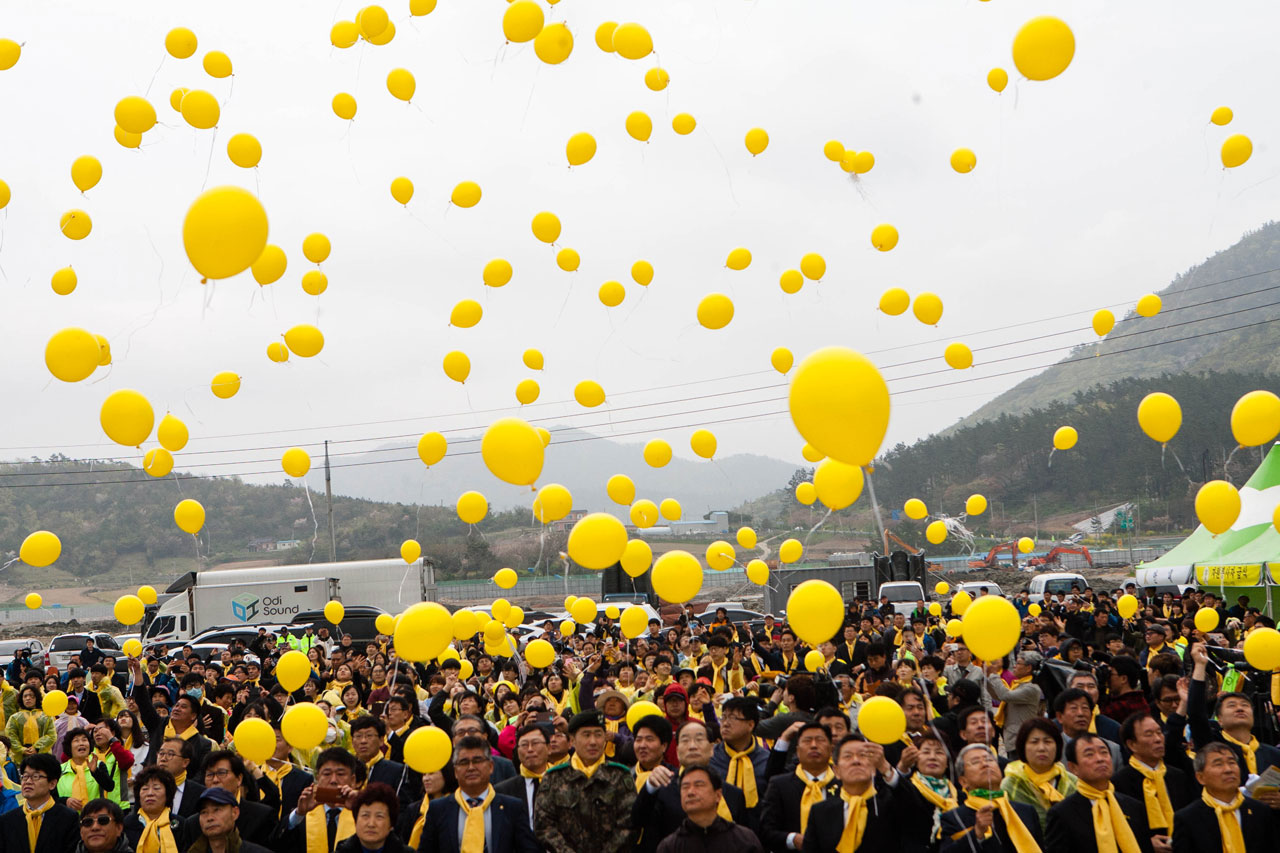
[584, 806]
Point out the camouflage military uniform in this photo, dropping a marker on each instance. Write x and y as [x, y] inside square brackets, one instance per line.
[574, 814]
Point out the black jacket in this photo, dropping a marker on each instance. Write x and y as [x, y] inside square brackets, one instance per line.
[191, 792]
[398, 778]
[659, 814]
[1182, 790]
[393, 844]
[510, 827]
[1195, 828]
[256, 822]
[286, 797]
[396, 742]
[720, 837]
[182, 830]
[517, 788]
[59, 831]
[958, 835]
[90, 706]
[1204, 730]
[1070, 826]
[826, 824]
[780, 809]
[200, 745]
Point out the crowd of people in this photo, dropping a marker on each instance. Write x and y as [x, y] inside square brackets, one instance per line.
[1097, 733]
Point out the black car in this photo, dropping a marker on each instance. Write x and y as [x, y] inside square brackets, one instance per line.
[357, 620]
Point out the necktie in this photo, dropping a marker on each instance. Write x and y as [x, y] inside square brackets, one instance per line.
[1110, 826]
[331, 825]
[856, 825]
[1155, 794]
[1228, 826]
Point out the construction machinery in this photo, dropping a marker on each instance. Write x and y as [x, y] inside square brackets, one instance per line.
[992, 560]
[1054, 555]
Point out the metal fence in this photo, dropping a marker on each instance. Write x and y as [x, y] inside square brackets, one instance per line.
[57, 613]
[556, 587]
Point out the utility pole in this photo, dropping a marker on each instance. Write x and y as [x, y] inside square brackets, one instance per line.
[328, 497]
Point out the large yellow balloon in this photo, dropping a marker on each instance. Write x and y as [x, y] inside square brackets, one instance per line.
[676, 576]
[815, 611]
[304, 340]
[225, 384]
[334, 611]
[410, 551]
[790, 551]
[147, 593]
[895, 301]
[1236, 150]
[657, 453]
[540, 654]
[552, 503]
[244, 150]
[180, 42]
[636, 559]
[963, 160]
[1218, 506]
[632, 41]
[1103, 322]
[54, 702]
[1043, 48]
[758, 572]
[127, 417]
[739, 259]
[135, 115]
[217, 64]
[703, 443]
[1127, 606]
[1159, 416]
[612, 293]
[554, 44]
[838, 484]
[400, 84]
[512, 451]
[928, 308]
[423, 632]
[431, 448]
[721, 555]
[40, 549]
[644, 513]
[224, 232]
[936, 532]
[588, 393]
[200, 109]
[840, 405]
[1255, 418]
[1206, 620]
[580, 148]
[960, 602]
[683, 124]
[254, 739]
[496, 273]
[522, 21]
[189, 516]
[991, 627]
[1065, 438]
[639, 126]
[975, 505]
[915, 509]
[86, 171]
[157, 462]
[72, 354]
[670, 509]
[715, 311]
[1149, 305]
[304, 725]
[791, 281]
[427, 749]
[597, 541]
[75, 224]
[546, 226]
[457, 366]
[1262, 649]
[296, 462]
[882, 720]
[958, 356]
[621, 489]
[466, 194]
[128, 610]
[1026, 545]
[634, 621]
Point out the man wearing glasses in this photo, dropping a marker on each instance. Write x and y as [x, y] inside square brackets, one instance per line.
[175, 755]
[225, 769]
[102, 828]
[476, 817]
[41, 825]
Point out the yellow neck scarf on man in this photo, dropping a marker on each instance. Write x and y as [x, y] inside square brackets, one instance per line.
[34, 817]
[742, 772]
[318, 829]
[1155, 794]
[169, 731]
[1228, 826]
[1047, 783]
[856, 826]
[473, 826]
[1110, 826]
[1249, 749]
[529, 774]
[157, 835]
[587, 770]
[1023, 840]
[814, 793]
[642, 776]
[415, 836]
[1000, 712]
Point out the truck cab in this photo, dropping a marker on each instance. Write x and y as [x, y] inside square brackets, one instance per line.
[903, 595]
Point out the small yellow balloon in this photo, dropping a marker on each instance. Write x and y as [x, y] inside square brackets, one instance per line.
[756, 141]
[958, 356]
[1043, 48]
[527, 391]
[217, 64]
[410, 550]
[1103, 322]
[621, 489]
[126, 139]
[811, 453]
[781, 359]
[683, 124]
[588, 394]
[244, 150]
[644, 514]
[127, 417]
[963, 160]
[715, 311]
[554, 44]
[806, 493]
[344, 34]
[642, 273]
[1127, 606]
[225, 384]
[472, 507]
[657, 79]
[157, 462]
[1218, 506]
[1236, 150]
[1159, 416]
[72, 354]
[815, 610]
[270, 265]
[915, 509]
[1221, 116]
[172, 433]
[884, 237]
[33, 600]
[1026, 545]
[758, 572]
[580, 148]
[135, 115]
[942, 588]
[676, 576]
[189, 516]
[997, 79]
[632, 41]
[431, 448]
[522, 21]
[1206, 620]
[180, 42]
[955, 628]
[546, 226]
[790, 551]
[639, 126]
[568, 260]
[596, 541]
[40, 549]
[992, 627]
[739, 259]
[791, 281]
[466, 314]
[1262, 649]
[402, 189]
[334, 611]
[200, 109]
[86, 171]
[611, 294]
[670, 509]
[813, 266]
[1255, 418]
[862, 162]
[936, 532]
[400, 84]
[1065, 438]
[882, 720]
[975, 505]
[505, 578]
[703, 443]
[833, 150]
[466, 194]
[497, 273]
[457, 366]
[657, 453]
[1149, 305]
[296, 462]
[277, 352]
[304, 340]
[344, 106]
[960, 602]
[75, 224]
[636, 559]
[895, 301]
[838, 484]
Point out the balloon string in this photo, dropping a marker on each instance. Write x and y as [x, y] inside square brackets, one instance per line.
[154, 74]
[213, 141]
[1051, 452]
[315, 522]
[813, 529]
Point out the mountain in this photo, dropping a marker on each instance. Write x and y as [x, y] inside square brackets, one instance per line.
[1218, 316]
[577, 459]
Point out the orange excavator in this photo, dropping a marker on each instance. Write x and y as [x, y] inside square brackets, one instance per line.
[1057, 551]
[992, 560]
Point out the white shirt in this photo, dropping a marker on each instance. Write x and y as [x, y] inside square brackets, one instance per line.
[530, 787]
[177, 796]
[1235, 812]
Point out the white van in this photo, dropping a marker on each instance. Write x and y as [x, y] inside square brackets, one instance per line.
[1051, 583]
[903, 595]
[975, 588]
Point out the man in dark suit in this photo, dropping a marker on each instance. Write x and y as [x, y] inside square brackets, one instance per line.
[985, 812]
[1161, 789]
[476, 817]
[339, 775]
[87, 700]
[790, 797]
[1232, 723]
[225, 769]
[367, 735]
[285, 777]
[175, 755]
[469, 725]
[531, 748]
[1198, 828]
[1085, 680]
[400, 724]
[1095, 810]
[868, 815]
[58, 827]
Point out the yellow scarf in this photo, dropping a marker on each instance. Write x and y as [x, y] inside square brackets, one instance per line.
[560, 704]
[276, 775]
[814, 793]
[186, 735]
[180, 778]
[1155, 794]
[157, 835]
[610, 749]
[1023, 840]
[856, 825]
[1000, 712]
[1093, 721]
[742, 772]
[789, 666]
[946, 803]
[34, 816]
[415, 836]
[529, 774]
[1228, 827]
[587, 770]
[1046, 783]
[642, 776]
[473, 827]
[1249, 749]
[338, 686]
[897, 636]
[30, 728]
[368, 765]
[1110, 826]
[80, 785]
[318, 829]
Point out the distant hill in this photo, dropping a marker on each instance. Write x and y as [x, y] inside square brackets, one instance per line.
[1189, 342]
[575, 458]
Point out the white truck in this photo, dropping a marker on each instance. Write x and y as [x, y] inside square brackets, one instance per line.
[218, 598]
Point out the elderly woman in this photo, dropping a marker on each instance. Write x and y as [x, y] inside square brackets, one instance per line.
[1038, 778]
[84, 777]
[375, 810]
[151, 827]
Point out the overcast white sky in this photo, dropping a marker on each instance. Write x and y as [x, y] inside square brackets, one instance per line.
[1090, 190]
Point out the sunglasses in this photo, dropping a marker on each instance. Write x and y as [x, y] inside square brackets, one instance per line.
[100, 820]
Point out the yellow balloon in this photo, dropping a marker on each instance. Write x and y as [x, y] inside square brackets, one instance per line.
[1065, 438]
[597, 541]
[554, 44]
[612, 611]
[180, 42]
[781, 359]
[657, 453]
[1126, 606]
[539, 654]
[791, 281]
[296, 462]
[833, 150]
[427, 749]
[639, 710]
[676, 576]
[423, 631]
[410, 550]
[314, 283]
[546, 226]
[135, 115]
[217, 64]
[757, 140]
[532, 359]
[1255, 418]
[568, 260]
[975, 505]
[224, 232]
[400, 84]
[862, 162]
[882, 720]
[304, 340]
[683, 124]
[1043, 48]
[814, 661]
[431, 448]
[670, 509]
[1236, 150]
[33, 600]
[172, 433]
[739, 259]
[642, 273]
[806, 493]
[848, 160]
[86, 171]
[552, 503]
[604, 36]
[580, 148]
[225, 385]
[620, 489]
[343, 34]
[936, 532]
[334, 611]
[758, 572]
[75, 224]
[1218, 506]
[632, 41]
[942, 588]
[254, 739]
[466, 194]
[128, 610]
[497, 272]
[105, 349]
[157, 462]
[1026, 545]
[64, 281]
[344, 106]
[612, 293]
[1159, 416]
[703, 443]
[372, 21]
[884, 237]
[527, 391]
[1103, 322]
[1034, 609]
[384, 624]
[992, 627]
[1206, 620]
[522, 21]
[72, 354]
[54, 703]
[840, 405]
[928, 308]
[466, 314]
[40, 549]
[790, 551]
[147, 594]
[402, 190]
[639, 126]
[895, 301]
[955, 627]
[512, 451]
[270, 265]
[963, 160]
[189, 516]
[915, 509]
[244, 150]
[721, 555]
[1262, 649]
[715, 311]
[815, 611]
[997, 79]
[588, 393]
[657, 79]
[505, 578]
[746, 537]
[472, 507]
[644, 513]
[457, 366]
[636, 559]
[838, 484]
[1149, 305]
[1221, 116]
[200, 109]
[127, 417]
[466, 623]
[958, 356]
[814, 266]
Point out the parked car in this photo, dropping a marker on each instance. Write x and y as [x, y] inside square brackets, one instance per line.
[974, 588]
[65, 645]
[8, 648]
[357, 620]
